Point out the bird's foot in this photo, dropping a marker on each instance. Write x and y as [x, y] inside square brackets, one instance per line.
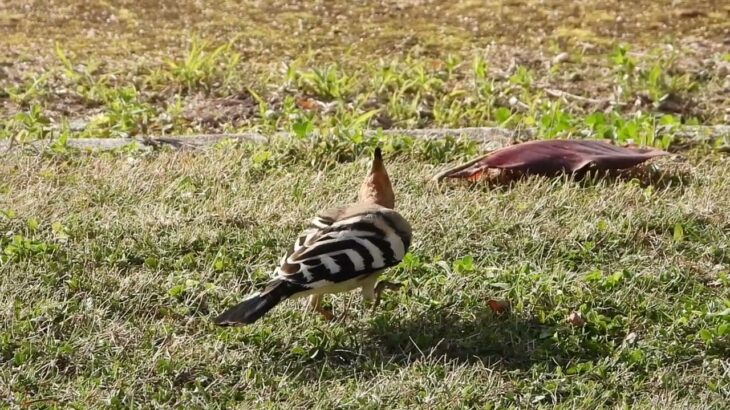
[384, 284]
[315, 305]
[326, 313]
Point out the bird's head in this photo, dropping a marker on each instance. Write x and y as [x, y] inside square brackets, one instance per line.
[376, 188]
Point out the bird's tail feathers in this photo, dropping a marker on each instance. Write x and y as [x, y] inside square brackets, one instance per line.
[258, 304]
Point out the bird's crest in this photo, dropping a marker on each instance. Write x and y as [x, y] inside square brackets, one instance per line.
[376, 188]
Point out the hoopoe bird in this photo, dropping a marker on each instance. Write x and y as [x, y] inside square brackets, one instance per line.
[344, 248]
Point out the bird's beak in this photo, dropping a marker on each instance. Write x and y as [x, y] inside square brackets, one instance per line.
[377, 165]
[376, 188]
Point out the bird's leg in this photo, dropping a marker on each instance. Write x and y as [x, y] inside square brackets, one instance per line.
[343, 316]
[368, 291]
[380, 287]
[315, 305]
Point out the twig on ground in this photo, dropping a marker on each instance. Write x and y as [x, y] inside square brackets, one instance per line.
[563, 94]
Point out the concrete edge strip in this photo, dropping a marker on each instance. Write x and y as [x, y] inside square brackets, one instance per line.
[492, 136]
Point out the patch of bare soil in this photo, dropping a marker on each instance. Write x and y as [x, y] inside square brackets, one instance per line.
[214, 113]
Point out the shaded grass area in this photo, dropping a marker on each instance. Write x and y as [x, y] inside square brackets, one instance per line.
[107, 70]
[113, 265]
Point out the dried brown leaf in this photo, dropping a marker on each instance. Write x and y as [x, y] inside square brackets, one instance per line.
[499, 306]
[576, 319]
[307, 103]
[555, 156]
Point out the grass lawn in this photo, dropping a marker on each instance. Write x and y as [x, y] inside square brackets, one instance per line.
[125, 68]
[112, 265]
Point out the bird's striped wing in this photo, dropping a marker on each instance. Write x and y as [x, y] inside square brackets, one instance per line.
[343, 249]
[327, 217]
[321, 221]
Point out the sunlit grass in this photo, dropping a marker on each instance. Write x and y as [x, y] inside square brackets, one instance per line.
[114, 264]
[174, 98]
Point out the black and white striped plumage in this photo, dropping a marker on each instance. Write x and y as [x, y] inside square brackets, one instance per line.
[346, 243]
[343, 249]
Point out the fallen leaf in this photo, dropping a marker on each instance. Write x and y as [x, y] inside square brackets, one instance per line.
[690, 13]
[552, 157]
[630, 338]
[499, 306]
[307, 103]
[561, 58]
[435, 64]
[576, 319]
